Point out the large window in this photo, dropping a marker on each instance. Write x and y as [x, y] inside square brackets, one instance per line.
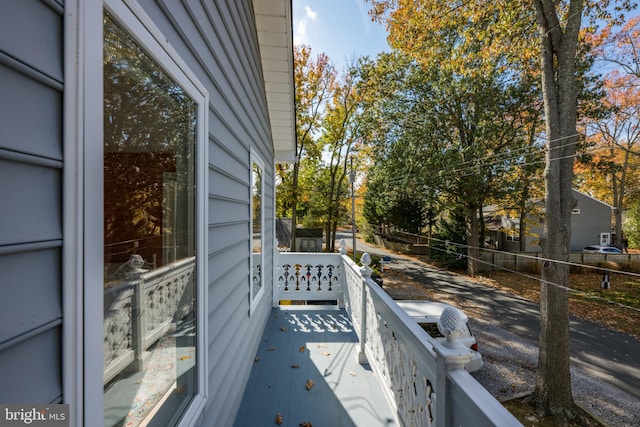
[257, 230]
[151, 243]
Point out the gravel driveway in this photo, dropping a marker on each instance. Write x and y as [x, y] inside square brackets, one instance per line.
[510, 361]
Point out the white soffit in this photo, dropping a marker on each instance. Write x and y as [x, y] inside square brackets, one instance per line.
[274, 25]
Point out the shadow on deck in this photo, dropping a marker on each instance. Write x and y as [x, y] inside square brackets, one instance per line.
[307, 371]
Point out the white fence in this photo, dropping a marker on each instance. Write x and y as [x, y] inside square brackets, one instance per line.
[424, 378]
[528, 261]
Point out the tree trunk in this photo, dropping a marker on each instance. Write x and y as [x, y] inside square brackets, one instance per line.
[472, 241]
[294, 206]
[482, 228]
[618, 200]
[522, 231]
[334, 232]
[558, 49]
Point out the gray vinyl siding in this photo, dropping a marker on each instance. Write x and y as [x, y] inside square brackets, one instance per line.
[218, 41]
[594, 218]
[31, 165]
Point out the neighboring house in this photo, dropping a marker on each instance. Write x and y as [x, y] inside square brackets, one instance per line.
[138, 140]
[590, 224]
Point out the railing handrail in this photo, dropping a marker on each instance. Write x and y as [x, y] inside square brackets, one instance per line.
[176, 265]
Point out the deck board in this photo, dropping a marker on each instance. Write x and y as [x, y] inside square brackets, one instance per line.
[344, 392]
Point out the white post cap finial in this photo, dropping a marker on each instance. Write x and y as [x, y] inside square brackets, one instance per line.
[343, 247]
[452, 326]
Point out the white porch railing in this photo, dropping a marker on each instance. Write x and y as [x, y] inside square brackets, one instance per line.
[140, 310]
[308, 277]
[424, 378]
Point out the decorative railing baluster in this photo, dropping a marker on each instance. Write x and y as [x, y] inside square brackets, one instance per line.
[308, 277]
[285, 278]
[317, 277]
[297, 267]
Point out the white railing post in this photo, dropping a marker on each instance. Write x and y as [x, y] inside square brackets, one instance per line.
[439, 397]
[345, 285]
[365, 271]
[138, 324]
[451, 354]
[275, 299]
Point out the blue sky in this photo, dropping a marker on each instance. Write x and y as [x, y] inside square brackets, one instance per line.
[340, 28]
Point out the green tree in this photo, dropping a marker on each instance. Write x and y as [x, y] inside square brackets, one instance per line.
[616, 150]
[476, 34]
[464, 127]
[339, 144]
[615, 132]
[632, 226]
[314, 85]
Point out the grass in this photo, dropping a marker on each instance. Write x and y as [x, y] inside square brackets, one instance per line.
[617, 307]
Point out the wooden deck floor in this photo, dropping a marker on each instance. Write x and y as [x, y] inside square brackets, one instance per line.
[307, 371]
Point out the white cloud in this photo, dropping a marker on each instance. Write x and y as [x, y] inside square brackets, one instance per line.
[301, 26]
[300, 35]
[310, 13]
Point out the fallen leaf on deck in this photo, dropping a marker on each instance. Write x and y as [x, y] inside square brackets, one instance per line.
[257, 359]
[305, 424]
[302, 349]
[279, 418]
[309, 384]
[185, 357]
[283, 329]
[295, 366]
[326, 353]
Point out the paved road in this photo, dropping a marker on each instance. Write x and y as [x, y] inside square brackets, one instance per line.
[609, 355]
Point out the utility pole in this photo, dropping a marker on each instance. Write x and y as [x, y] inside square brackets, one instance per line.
[352, 176]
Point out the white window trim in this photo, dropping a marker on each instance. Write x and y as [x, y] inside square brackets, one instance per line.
[254, 300]
[77, 37]
[83, 184]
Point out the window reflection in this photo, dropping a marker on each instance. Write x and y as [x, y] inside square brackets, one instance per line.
[257, 228]
[149, 237]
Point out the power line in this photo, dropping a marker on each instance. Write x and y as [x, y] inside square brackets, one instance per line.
[538, 279]
[566, 288]
[472, 170]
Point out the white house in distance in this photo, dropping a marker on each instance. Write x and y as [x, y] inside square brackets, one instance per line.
[591, 223]
[140, 276]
